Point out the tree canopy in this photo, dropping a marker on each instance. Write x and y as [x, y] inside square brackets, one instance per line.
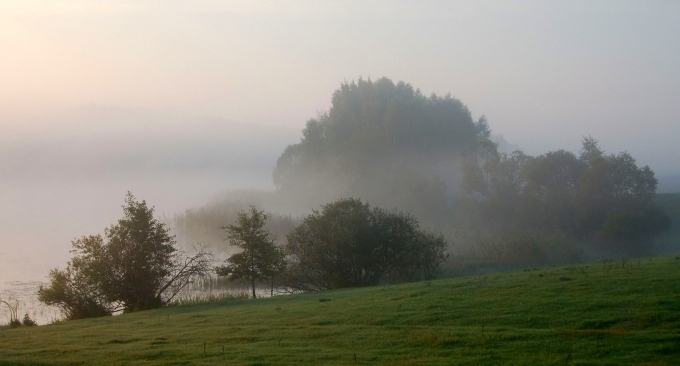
[384, 142]
[134, 266]
[350, 244]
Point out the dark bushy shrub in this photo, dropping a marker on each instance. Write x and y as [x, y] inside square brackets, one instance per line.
[28, 321]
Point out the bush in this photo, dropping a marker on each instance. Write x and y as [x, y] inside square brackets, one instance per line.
[350, 244]
[27, 321]
[14, 323]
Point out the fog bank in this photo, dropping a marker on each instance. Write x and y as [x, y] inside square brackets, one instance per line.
[64, 182]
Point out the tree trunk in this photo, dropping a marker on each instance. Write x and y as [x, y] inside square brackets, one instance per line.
[252, 272]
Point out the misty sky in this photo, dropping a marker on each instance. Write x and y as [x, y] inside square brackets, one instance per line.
[177, 100]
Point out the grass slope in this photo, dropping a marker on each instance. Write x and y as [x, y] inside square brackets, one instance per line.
[616, 313]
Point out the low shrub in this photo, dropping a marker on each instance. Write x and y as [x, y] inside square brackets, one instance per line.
[27, 321]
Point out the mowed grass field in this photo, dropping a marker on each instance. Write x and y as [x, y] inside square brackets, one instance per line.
[609, 313]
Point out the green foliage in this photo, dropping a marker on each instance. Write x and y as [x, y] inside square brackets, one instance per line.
[348, 244]
[610, 313]
[77, 295]
[136, 267]
[493, 184]
[629, 226]
[138, 247]
[259, 258]
[604, 200]
[386, 143]
[669, 203]
[518, 249]
[28, 322]
[14, 323]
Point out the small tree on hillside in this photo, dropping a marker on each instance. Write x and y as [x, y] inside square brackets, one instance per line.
[259, 257]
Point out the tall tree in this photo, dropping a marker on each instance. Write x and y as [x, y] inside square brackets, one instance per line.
[259, 257]
[140, 250]
[385, 142]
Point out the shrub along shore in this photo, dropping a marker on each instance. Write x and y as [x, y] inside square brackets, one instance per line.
[606, 313]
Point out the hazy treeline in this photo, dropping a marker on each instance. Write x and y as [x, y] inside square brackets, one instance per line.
[393, 147]
[559, 207]
[203, 225]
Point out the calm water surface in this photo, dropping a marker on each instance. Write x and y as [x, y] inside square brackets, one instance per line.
[20, 278]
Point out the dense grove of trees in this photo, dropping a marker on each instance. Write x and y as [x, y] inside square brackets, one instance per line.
[386, 143]
[134, 266]
[390, 145]
[595, 198]
[346, 244]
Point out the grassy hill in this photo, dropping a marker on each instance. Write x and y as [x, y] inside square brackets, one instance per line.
[614, 313]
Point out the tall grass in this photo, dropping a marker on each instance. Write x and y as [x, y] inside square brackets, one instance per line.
[198, 298]
[23, 297]
[212, 289]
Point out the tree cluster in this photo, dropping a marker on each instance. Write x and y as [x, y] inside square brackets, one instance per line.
[384, 142]
[134, 266]
[347, 244]
[598, 198]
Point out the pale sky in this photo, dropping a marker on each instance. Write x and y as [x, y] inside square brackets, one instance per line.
[544, 73]
[175, 100]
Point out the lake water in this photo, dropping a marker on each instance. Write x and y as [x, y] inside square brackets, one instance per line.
[21, 274]
[20, 278]
[22, 293]
[38, 221]
[64, 176]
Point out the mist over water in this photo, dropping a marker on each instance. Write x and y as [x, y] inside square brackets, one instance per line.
[61, 183]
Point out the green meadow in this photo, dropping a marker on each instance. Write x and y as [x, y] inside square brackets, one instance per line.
[607, 313]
